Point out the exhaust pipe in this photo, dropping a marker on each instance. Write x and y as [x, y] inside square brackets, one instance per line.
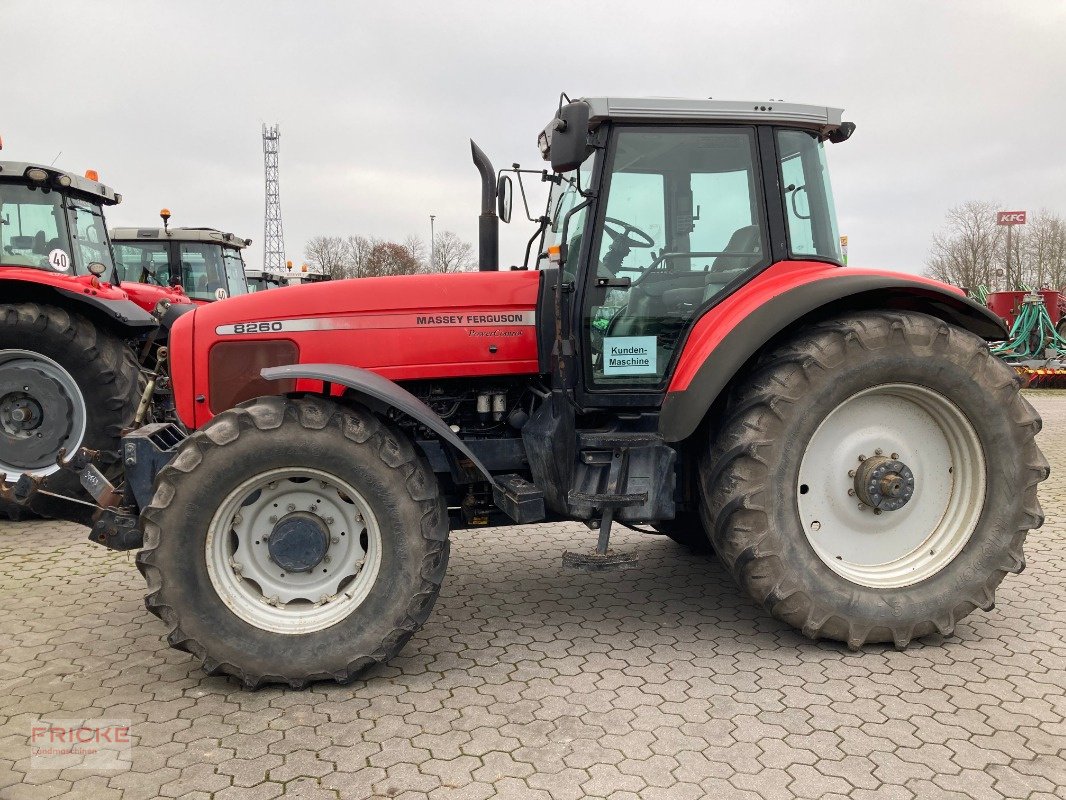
[488, 223]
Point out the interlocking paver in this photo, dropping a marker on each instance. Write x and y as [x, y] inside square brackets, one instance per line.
[532, 682]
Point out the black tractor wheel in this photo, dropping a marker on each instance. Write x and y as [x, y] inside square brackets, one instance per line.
[687, 530]
[64, 384]
[291, 541]
[875, 479]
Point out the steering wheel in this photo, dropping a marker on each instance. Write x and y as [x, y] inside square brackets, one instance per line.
[623, 238]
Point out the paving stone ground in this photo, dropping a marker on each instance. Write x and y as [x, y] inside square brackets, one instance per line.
[533, 682]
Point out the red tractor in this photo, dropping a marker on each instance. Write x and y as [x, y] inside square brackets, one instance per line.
[686, 352]
[70, 338]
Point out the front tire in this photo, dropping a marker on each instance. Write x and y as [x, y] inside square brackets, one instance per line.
[947, 470]
[294, 540]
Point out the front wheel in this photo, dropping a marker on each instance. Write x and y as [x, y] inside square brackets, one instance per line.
[875, 479]
[294, 540]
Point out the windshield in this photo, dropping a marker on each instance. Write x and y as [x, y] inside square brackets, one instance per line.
[144, 262]
[35, 230]
[809, 210]
[564, 196]
[234, 266]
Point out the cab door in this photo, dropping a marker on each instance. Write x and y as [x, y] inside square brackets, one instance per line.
[680, 222]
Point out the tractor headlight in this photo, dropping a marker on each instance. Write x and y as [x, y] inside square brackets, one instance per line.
[36, 174]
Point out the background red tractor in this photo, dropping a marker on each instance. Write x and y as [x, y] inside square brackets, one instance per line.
[70, 337]
[685, 352]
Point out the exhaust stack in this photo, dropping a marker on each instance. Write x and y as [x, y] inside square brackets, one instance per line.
[488, 223]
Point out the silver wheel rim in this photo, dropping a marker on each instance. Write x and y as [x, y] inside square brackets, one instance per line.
[880, 548]
[257, 588]
[11, 403]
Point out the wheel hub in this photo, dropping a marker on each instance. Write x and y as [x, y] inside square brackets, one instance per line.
[884, 483]
[298, 542]
[36, 416]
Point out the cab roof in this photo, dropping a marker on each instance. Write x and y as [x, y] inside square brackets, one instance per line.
[823, 119]
[211, 235]
[16, 170]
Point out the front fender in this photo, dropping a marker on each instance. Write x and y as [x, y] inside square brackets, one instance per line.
[784, 296]
[382, 390]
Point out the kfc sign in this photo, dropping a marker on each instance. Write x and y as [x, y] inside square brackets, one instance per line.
[1010, 217]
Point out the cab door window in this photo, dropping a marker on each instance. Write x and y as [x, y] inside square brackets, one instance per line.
[682, 223]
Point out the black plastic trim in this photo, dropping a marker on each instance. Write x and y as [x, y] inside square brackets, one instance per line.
[382, 390]
[125, 312]
[682, 412]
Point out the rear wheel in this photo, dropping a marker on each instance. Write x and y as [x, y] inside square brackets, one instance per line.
[875, 479]
[64, 384]
[294, 540]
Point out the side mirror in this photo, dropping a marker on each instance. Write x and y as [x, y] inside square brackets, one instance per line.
[568, 137]
[504, 197]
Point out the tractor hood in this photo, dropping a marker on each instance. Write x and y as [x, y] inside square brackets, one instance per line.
[148, 296]
[405, 328]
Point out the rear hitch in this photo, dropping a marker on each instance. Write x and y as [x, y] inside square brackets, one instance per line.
[116, 529]
[92, 479]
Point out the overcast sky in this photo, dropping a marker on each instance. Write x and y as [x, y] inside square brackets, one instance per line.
[954, 101]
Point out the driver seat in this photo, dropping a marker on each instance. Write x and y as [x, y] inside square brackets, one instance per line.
[746, 244]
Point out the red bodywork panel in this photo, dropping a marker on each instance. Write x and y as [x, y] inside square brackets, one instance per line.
[716, 324]
[403, 328]
[147, 296]
[142, 294]
[1008, 304]
[86, 284]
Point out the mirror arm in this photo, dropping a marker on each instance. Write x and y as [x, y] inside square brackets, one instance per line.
[539, 232]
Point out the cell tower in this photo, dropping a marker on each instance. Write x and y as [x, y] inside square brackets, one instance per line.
[273, 238]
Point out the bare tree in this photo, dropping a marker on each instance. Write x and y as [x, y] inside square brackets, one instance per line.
[328, 255]
[1043, 251]
[357, 251]
[390, 258]
[417, 248]
[968, 249]
[452, 254]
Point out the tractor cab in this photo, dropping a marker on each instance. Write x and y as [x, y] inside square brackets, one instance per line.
[260, 280]
[205, 262]
[660, 208]
[53, 221]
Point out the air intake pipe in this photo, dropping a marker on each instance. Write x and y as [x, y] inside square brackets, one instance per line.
[488, 242]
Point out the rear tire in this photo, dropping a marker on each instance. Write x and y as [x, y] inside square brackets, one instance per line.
[882, 586]
[315, 466]
[83, 390]
[686, 529]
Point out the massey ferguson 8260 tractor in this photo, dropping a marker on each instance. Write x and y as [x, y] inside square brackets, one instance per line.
[70, 338]
[686, 353]
[206, 263]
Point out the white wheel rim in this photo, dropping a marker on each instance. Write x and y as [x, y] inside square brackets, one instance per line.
[263, 593]
[933, 438]
[28, 359]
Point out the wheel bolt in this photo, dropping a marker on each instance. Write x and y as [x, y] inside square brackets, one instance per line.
[335, 540]
[273, 519]
[291, 507]
[862, 457]
[851, 473]
[327, 560]
[895, 456]
[877, 510]
[329, 520]
[851, 492]
[879, 451]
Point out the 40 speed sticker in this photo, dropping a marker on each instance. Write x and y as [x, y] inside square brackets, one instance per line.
[59, 260]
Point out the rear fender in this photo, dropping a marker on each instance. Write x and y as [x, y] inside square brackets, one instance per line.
[725, 339]
[380, 392]
[104, 303]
